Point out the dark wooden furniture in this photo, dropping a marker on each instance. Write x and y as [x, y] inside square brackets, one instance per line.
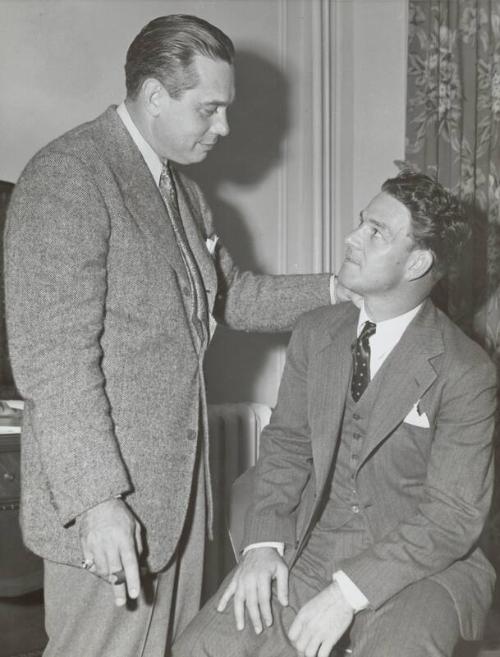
[21, 572]
[20, 569]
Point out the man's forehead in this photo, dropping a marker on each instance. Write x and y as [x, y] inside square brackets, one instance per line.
[386, 210]
[215, 80]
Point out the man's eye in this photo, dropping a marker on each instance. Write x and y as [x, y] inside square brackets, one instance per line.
[208, 111]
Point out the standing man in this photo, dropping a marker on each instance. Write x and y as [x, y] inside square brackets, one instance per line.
[113, 277]
[375, 474]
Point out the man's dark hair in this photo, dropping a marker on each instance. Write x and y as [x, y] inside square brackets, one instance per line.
[438, 220]
[165, 48]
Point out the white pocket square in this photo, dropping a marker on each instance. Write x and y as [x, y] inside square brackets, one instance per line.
[211, 243]
[416, 418]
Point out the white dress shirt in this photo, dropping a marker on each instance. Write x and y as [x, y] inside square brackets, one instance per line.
[151, 158]
[382, 342]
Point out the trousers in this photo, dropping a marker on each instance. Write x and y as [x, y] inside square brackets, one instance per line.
[82, 620]
[421, 621]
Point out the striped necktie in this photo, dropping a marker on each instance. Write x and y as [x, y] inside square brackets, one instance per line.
[199, 298]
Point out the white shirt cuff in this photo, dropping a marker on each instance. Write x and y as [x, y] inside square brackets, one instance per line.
[274, 544]
[350, 591]
[333, 282]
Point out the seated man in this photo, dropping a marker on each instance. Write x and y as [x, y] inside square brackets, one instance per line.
[375, 474]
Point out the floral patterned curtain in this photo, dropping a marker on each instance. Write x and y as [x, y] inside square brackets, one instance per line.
[453, 133]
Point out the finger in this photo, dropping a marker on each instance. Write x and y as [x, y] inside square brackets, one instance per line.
[117, 577]
[282, 585]
[312, 647]
[264, 600]
[302, 641]
[120, 593]
[131, 567]
[101, 566]
[252, 604]
[227, 595]
[239, 610]
[138, 538]
[88, 562]
[295, 629]
[326, 648]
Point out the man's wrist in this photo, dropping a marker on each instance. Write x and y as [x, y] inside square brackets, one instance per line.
[354, 596]
[279, 547]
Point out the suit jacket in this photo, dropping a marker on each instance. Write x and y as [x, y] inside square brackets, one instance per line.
[98, 307]
[425, 491]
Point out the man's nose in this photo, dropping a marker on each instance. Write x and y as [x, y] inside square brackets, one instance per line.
[353, 238]
[221, 125]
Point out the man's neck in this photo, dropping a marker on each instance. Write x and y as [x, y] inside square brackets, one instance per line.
[139, 120]
[382, 308]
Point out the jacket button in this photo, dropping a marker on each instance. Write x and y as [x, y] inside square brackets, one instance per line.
[186, 291]
[356, 416]
[355, 508]
[192, 434]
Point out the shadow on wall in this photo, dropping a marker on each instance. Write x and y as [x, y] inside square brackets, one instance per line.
[259, 123]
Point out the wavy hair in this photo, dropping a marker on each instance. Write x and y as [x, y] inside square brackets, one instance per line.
[438, 220]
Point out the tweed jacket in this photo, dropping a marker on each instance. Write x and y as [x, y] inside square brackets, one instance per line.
[425, 491]
[102, 348]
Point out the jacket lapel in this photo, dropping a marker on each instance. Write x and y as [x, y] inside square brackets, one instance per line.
[139, 191]
[407, 374]
[331, 374]
[334, 365]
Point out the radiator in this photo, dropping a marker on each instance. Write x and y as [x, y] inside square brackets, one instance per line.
[234, 443]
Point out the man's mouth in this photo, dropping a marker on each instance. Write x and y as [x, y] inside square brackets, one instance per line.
[350, 258]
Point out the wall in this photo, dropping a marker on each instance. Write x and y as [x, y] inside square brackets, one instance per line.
[318, 120]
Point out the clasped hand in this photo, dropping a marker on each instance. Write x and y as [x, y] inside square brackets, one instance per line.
[110, 537]
[319, 624]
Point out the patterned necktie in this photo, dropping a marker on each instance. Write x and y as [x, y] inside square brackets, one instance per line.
[199, 299]
[361, 361]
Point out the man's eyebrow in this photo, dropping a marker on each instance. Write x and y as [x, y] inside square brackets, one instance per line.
[374, 222]
[215, 103]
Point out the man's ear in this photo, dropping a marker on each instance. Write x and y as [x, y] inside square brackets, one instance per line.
[154, 95]
[419, 263]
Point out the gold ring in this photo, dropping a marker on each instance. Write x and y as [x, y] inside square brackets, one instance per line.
[87, 564]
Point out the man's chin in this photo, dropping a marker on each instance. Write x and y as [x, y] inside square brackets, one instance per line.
[347, 280]
[343, 275]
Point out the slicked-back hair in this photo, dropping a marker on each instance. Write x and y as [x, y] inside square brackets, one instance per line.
[165, 48]
[438, 220]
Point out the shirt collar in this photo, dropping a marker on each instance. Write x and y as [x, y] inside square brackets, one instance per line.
[390, 329]
[152, 160]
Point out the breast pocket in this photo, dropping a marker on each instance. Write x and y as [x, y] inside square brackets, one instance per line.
[408, 451]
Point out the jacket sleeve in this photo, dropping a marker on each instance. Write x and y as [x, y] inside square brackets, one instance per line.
[268, 303]
[284, 466]
[56, 244]
[457, 494]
